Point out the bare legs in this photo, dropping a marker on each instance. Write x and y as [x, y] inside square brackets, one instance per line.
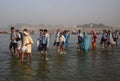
[44, 55]
[29, 54]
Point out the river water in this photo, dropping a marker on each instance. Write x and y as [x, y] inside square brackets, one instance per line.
[96, 65]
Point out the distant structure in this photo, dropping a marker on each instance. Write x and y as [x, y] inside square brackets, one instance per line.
[3, 31]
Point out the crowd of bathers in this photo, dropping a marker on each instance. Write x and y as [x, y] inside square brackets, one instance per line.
[22, 42]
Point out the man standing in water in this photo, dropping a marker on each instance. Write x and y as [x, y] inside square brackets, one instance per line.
[39, 40]
[19, 42]
[57, 41]
[45, 44]
[80, 39]
[27, 45]
[13, 43]
[104, 39]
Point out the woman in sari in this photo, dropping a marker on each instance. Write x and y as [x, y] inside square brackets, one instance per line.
[94, 39]
[86, 42]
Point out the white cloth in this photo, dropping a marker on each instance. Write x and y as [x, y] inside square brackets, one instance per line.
[80, 34]
[38, 43]
[62, 39]
[24, 48]
[19, 44]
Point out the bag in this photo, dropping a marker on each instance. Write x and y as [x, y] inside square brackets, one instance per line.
[38, 43]
[24, 48]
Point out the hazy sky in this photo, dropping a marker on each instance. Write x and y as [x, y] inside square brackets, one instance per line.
[66, 12]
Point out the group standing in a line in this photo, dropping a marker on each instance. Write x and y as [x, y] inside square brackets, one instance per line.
[22, 42]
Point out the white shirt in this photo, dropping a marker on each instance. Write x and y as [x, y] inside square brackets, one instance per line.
[57, 35]
[80, 34]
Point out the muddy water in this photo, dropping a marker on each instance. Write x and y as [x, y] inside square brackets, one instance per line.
[96, 65]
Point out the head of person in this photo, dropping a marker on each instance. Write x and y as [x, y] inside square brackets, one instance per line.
[65, 32]
[109, 31]
[94, 33]
[17, 31]
[85, 35]
[12, 29]
[41, 31]
[116, 31]
[79, 31]
[104, 31]
[25, 32]
[45, 31]
[61, 33]
[58, 30]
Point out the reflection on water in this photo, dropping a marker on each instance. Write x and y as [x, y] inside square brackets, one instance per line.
[19, 71]
[96, 65]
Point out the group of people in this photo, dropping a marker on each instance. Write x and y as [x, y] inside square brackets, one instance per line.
[109, 38]
[83, 41]
[61, 40]
[43, 43]
[22, 42]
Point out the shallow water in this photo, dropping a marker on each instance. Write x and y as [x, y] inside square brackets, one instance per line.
[96, 65]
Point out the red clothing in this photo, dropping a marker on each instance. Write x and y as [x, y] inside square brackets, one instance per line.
[94, 38]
